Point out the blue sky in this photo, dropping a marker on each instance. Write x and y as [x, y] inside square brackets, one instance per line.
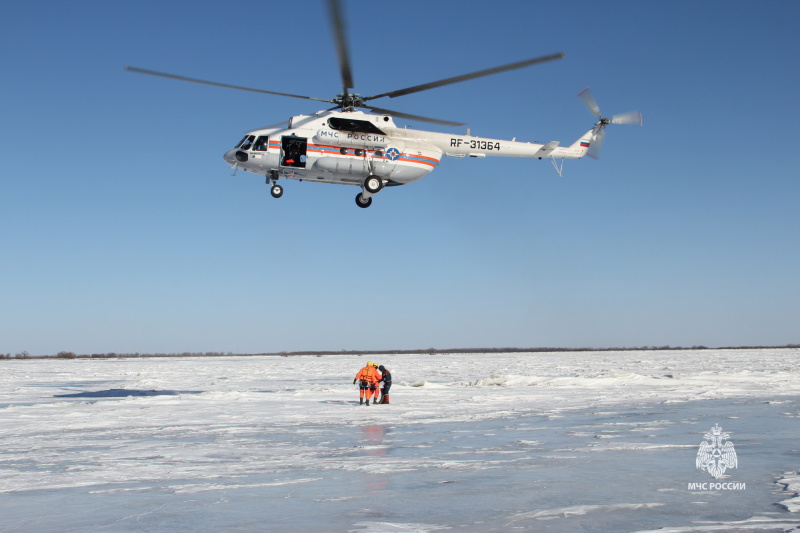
[123, 229]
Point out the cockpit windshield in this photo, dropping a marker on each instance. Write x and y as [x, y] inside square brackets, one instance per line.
[247, 142]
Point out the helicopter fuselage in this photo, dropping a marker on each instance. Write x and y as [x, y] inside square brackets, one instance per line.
[347, 147]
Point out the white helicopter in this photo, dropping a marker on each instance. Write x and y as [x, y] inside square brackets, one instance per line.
[347, 146]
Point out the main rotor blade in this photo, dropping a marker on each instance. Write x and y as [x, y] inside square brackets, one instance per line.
[465, 77]
[225, 85]
[340, 40]
[413, 117]
[591, 103]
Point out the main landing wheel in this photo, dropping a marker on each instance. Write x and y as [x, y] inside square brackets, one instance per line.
[276, 191]
[361, 202]
[373, 184]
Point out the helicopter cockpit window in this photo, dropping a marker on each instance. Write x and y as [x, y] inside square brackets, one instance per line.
[240, 142]
[248, 142]
[262, 143]
[358, 126]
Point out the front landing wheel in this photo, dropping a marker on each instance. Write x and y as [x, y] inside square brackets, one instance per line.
[276, 191]
[363, 202]
[373, 184]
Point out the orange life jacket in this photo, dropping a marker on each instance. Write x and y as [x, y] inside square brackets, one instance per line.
[369, 373]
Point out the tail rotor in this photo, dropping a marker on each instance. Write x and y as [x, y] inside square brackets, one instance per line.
[629, 118]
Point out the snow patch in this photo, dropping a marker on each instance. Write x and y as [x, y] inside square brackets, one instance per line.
[580, 510]
[791, 483]
[388, 527]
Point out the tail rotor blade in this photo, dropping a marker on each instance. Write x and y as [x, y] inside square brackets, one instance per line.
[631, 117]
[591, 103]
[597, 145]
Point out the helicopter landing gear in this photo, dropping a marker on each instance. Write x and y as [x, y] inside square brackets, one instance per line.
[373, 184]
[272, 180]
[361, 201]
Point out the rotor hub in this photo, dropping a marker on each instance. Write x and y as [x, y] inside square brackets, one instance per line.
[349, 102]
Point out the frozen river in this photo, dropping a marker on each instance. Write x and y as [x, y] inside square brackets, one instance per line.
[562, 442]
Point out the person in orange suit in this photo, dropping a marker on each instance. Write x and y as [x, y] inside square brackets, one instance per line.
[368, 386]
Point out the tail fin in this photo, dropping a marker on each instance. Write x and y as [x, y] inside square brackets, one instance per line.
[583, 144]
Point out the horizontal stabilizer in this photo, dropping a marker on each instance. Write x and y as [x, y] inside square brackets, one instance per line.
[545, 150]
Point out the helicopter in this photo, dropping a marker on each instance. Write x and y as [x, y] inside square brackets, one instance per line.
[345, 145]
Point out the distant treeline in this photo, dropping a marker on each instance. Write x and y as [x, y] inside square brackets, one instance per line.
[429, 351]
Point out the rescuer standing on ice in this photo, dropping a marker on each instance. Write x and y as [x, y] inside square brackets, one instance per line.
[368, 386]
[386, 378]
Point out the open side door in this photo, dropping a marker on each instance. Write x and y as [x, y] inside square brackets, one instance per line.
[293, 151]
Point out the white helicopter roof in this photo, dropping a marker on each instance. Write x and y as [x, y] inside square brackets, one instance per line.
[356, 121]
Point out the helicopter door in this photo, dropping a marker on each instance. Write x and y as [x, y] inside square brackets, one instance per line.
[382, 162]
[293, 151]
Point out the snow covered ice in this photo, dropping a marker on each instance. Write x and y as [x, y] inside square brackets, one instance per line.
[578, 441]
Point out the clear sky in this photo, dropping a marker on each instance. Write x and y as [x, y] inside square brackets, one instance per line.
[123, 230]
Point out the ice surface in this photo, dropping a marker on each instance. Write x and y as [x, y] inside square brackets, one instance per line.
[592, 441]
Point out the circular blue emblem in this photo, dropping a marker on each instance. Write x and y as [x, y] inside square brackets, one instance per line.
[392, 154]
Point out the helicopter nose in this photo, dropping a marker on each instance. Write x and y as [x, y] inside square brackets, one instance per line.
[230, 157]
[234, 156]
